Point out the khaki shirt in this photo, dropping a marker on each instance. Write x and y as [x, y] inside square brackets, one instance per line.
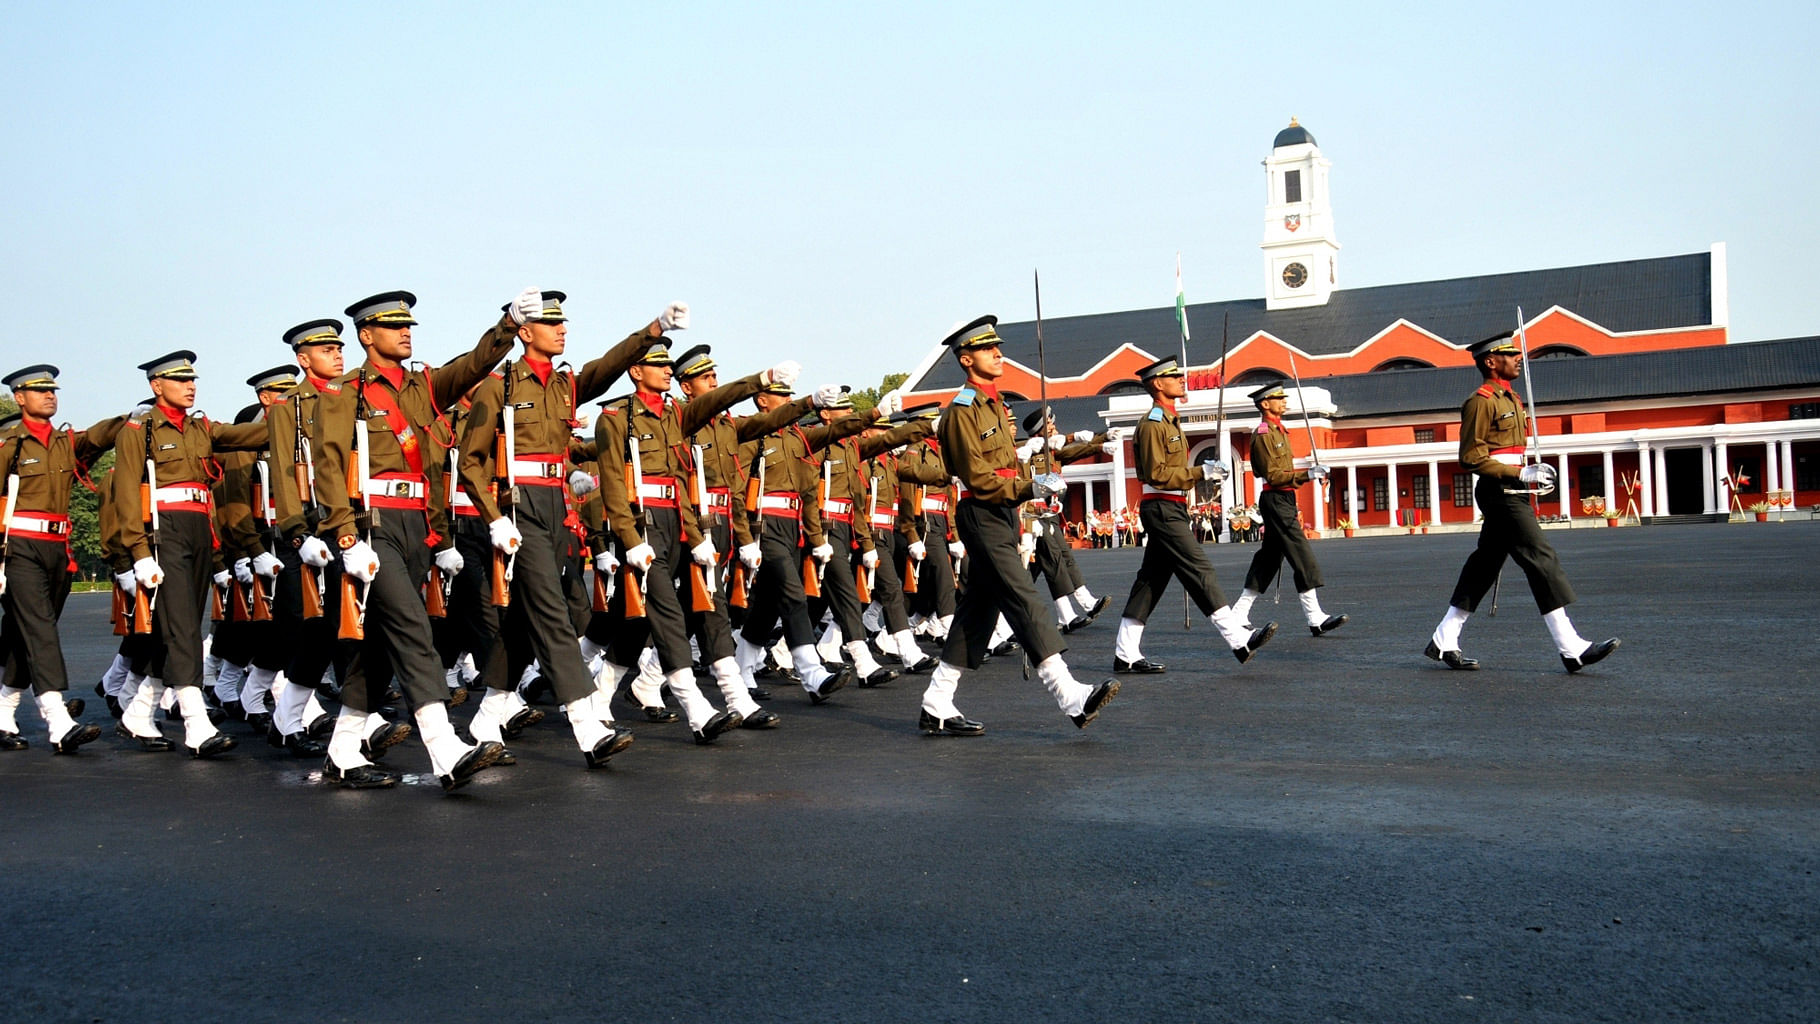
[48, 471]
[293, 419]
[663, 451]
[719, 435]
[979, 448]
[180, 455]
[1162, 453]
[1491, 418]
[849, 478]
[920, 470]
[237, 519]
[1272, 461]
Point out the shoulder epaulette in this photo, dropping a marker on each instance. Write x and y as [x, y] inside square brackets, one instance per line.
[1156, 413]
[1484, 391]
[496, 375]
[965, 397]
[330, 387]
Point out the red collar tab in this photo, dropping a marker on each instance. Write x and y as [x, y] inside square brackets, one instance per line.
[176, 416]
[393, 376]
[1272, 421]
[989, 390]
[319, 382]
[41, 431]
[540, 367]
[1168, 405]
[654, 400]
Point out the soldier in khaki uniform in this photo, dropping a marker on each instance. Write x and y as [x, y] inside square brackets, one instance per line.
[1273, 462]
[1171, 550]
[1494, 428]
[926, 499]
[370, 447]
[979, 448]
[39, 464]
[882, 495]
[172, 543]
[528, 519]
[1050, 449]
[233, 639]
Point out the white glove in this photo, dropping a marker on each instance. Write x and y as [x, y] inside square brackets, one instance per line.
[128, 581]
[361, 561]
[1047, 484]
[147, 572]
[1317, 472]
[641, 557]
[1111, 447]
[526, 307]
[243, 571]
[505, 535]
[1083, 436]
[784, 373]
[606, 562]
[313, 552]
[1026, 544]
[582, 483]
[1024, 452]
[919, 550]
[221, 578]
[1214, 469]
[750, 555]
[822, 552]
[675, 317]
[2, 581]
[892, 403]
[824, 397]
[703, 553]
[956, 550]
[1541, 474]
[1036, 444]
[450, 562]
[1114, 435]
[267, 565]
[869, 559]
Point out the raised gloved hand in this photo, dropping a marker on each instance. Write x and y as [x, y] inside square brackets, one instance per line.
[504, 535]
[822, 552]
[1215, 469]
[956, 550]
[641, 557]
[919, 550]
[1083, 436]
[128, 581]
[526, 307]
[1541, 474]
[1037, 443]
[1024, 452]
[147, 571]
[313, 552]
[606, 562]
[869, 559]
[1316, 471]
[892, 403]
[750, 555]
[450, 562]
[675, 317]
[243, 571]
[1114, 435]
[784, 373]
[361, 561]
[827, 396]
[1111, 447]
[1048, 483]
[267, 565]
[703, 553]
[582, 483]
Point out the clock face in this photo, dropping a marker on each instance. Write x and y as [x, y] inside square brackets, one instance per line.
[1295, 275]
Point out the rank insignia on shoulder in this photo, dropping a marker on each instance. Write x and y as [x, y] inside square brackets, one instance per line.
[1156, 413]
[965, 397]
[609, 410]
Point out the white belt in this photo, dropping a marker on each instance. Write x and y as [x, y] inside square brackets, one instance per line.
[1509, 459]
[881, 519]
[35, 524]
[1158, 490]
[780, 502]
[460, 499]
[660, 492]
[536, 469]
[378, 487]
[166, 495]
[838, 507]
[935, 502]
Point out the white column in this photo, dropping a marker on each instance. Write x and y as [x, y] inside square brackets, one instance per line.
[1720, 466]
[1613, 503]
[1434, 493]
[1772, 466]
[1561, 488]
[1319, 519]
[1390, 491]
[1706, 470]
[1352, 494]
[1661, 481]
[1788, 467]
[1646, 480]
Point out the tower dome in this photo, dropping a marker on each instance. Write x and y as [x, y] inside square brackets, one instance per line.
[1294, 135]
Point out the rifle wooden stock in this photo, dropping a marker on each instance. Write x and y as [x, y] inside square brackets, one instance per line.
[262, 605]
[812, 584]
[859, 583]
[433, 600]
[699, 598]
[118, 615]
[145, 501]
[502, 587]
[635, 598]
[218, 611]
[142, 611]
[752, 494]
[237, 602]
[354, 481]
[351, 626]
[737, 597]
[600, 591]
[909, 574]
[312, 594]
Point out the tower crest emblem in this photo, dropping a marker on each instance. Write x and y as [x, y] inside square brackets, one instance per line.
[1292, 221]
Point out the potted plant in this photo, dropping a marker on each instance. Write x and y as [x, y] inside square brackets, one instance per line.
[1346, 526]
[1761, 508]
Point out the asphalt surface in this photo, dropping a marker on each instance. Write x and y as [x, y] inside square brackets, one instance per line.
[1340, 830]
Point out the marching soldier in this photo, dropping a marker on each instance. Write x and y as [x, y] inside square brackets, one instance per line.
[979, 448]
[235, 636]
[167, 528]
[39, 464]
[465, 636]
[370, 446]
[1493, 429]
[1162, 466]
[1049, 451]
[882, 497]
[926, 497]
[1273, 463]
[532, 405]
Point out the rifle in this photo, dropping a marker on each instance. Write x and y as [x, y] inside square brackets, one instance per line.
[353, 601]
[303, 469]
[634, 584]
[701, 584]
[1533, 444]
[601, 596]
[504, 448]
[148, 495]
[262, 507]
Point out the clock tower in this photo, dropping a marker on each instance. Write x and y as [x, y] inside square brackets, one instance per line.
[1300, 252]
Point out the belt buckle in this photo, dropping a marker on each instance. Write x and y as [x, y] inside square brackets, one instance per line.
[401, 489]
[551, 470]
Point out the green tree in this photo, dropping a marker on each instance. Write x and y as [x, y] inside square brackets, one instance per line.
[866, 398]
[85, 522]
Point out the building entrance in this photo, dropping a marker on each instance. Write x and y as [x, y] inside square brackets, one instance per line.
[1686, 486]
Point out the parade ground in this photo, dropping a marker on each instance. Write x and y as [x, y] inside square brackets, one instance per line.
[1341, 830]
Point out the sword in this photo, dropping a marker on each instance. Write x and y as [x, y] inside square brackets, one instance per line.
[1533, 447]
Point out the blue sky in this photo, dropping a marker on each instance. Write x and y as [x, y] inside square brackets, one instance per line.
[841, 183]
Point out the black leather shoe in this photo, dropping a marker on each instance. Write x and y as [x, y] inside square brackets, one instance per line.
[763, 718]
[1140, 667]
[113, 706]
[652, 712]
[259, 721]
[392, 697]
[1591, 656]
[1452, 659]
[458, 696]
[1078, 622]
[274, 738]
[75, 706]
[758, 693]
[100, 690]
[880, 678]
[215, 745]
[302, 746]
[835, 681]
[506, 758]
[153, 744]
[13, 741]
[322, 726]
[386, 737]
[1098, 607]
[78, 736]
[537, 691]
[1333, 622]
[885, 657]
[1259, 637]
[1100, 697]
[365, 776]
[1008, 647]
[721, 722]
[482, 756]
[924, 666]
[522, 720]
[233, 709]
[616, 740]
[956, 726]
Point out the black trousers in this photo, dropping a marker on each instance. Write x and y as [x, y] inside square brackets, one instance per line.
[713, 630]
[37, 584]
[935, 576]
[778, 591]
[472, 625]
[186, 554]
[1056, 563]
[1171, 551]
[997, 582]
[1510, 531]
[839, 590]
[537, 623]
[236, 642]
[398, 642]
[1283, 539]
[887, 586]
[664, 624]
[279, 642]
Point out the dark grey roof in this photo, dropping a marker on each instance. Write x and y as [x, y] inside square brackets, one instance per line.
[1713, 369]
[1635, 295]
[1294, 135]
